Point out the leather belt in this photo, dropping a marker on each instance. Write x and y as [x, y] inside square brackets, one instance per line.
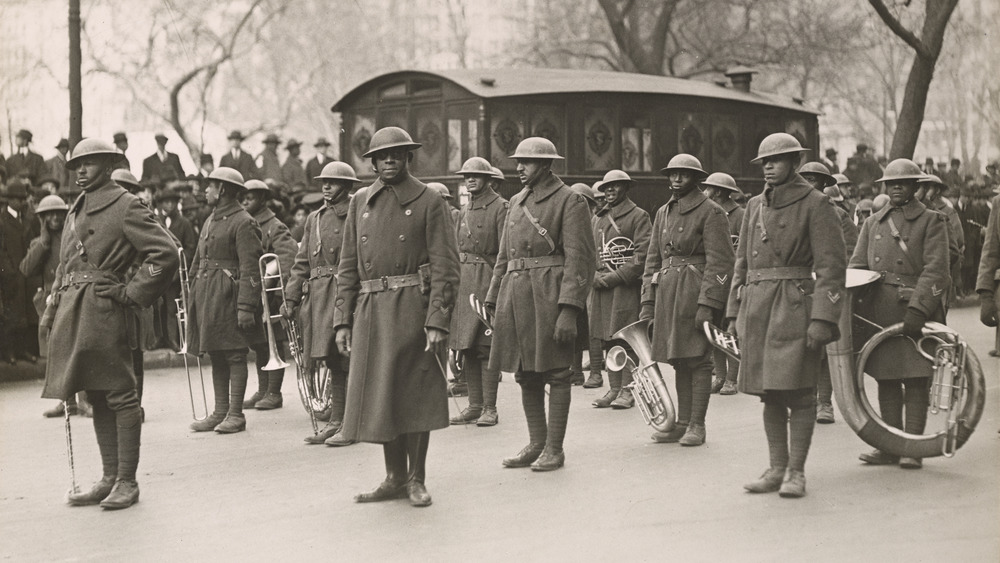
[900, 280]
[780, 273]
[219, 264]
[519, 264]
[671, 261]
[468, 258]
[89, 276]
[386, 283]
[322, 272]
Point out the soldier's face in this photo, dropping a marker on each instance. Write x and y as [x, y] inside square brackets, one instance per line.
[475, 183]
[92, 171]
[334, 191]
[682, 182]
[777, 169]
[529, 170]
[212, 192]
[815, 181]
[615, 193]
[712, 192]
[253, 202]
[54, 221]
[900, 192]
[391, 164]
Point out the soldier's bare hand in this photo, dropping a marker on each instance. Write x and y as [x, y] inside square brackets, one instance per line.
[987, 309]
[437, 340]
[343, 340]
[565, 332]
[244, 319]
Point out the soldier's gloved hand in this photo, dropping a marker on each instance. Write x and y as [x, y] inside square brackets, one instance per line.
[565, 332]
[648, 311]
[987, 308]
[288, 310]
[913, 323]
[245, 319]
[820, 333]
[704, 315]
[437, 340]
[343, 340]
[731, 325]
[599, 282]
[113, 291]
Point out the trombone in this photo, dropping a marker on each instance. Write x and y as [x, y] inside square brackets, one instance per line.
[182, 324]
[271, 282]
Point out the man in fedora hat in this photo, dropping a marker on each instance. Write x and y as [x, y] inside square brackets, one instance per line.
[56, 166]
[162, 166]
[25, 163]
[315, 165]
[121, 143]
[292, 172]
[267, 161]
[238, 159]
[18, 226]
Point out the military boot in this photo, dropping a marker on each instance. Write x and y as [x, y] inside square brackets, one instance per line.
[489, 417]
[694, 436]
[325, 433]
[123, 495]
[209, 423]
[794, 485]
[672, 436]
[769, 482]
[469, 415]
[824, 414]
[269, 402]
[615, 381]
[233, 423]
[595, 380]
[96, 494]
[878, 457]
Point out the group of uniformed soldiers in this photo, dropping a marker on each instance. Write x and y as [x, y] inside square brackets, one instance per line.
[385, 279]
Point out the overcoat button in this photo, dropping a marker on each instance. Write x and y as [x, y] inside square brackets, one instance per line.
[402, 237]
[91, 231]
[680, 229]
[364, 238]
[364, 215]
[408, 212]
[878, 259]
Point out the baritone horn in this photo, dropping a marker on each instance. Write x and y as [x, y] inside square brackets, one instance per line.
[958, 386]
[182, 325]
[270, 282]
[650, 391]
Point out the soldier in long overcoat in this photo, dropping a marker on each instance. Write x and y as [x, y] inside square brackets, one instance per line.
[311, 291]
[92, 313]
[274, 239]
[224, 312]
[907, 243]
[397, 281]
[543, 274]
[721, 188]
[929, 193]
[782, 315]
[989, 274]
[685, 283]
[817, 174]
[479, 227]
[614, 301]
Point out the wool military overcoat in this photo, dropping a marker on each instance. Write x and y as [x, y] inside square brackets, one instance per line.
[225, 278]
[396, 386]
[527, 298]
[92, 337]
[313, 280]
[689, 263]
[616, 305]
[790, 233]
[917, 277]
[989, 264]
[479, 225]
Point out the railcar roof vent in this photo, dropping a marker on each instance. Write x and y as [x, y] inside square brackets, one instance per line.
[741, 76]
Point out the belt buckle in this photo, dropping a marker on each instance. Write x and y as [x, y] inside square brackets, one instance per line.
[384, 280]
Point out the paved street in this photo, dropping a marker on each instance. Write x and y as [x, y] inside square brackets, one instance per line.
[263, 494]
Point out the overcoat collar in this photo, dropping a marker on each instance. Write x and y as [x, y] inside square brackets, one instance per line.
[729, 206]
[102, 196]
[484, 200]
[406, 191]
[545, 186]
[618, 211]
[788, 193]
[340, 208]
[911, 210]
[264, 215]
[691, 200]
[223, 211]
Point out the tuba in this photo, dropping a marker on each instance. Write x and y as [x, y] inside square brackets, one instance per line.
[182, 324]
[617, 252]
[651, 393]
[958, 387]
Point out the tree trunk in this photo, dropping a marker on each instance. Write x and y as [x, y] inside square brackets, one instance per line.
[75, 80]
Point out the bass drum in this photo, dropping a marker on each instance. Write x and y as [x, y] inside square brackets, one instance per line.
[966, 399]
